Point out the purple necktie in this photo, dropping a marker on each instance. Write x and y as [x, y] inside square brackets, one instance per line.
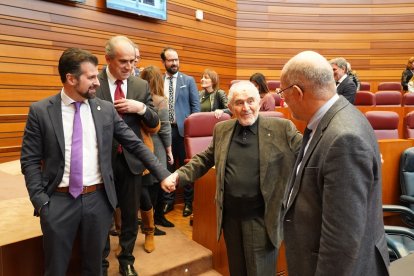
[76, 156]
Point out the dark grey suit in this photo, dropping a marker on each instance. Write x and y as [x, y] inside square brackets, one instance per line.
[127, 167]
[348, 89]
[334, 223]
[42, 161]
[279, 142]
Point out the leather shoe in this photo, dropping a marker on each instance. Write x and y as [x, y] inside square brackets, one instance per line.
[163, 222]
[159, 232]
[128, 270]
[167, 207]
[188, 210]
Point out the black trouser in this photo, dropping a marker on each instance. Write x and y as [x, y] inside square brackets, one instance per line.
[178, 151]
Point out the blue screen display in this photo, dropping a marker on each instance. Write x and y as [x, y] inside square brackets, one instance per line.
[150, 8]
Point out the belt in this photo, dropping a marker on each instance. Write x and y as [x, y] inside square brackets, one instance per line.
[85, 190]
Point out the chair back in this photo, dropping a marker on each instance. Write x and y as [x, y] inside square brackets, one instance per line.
[407, 175]
[388, 98]
[273, 85]
[365, 86]
[198, 131]
[408, 99]
[409, 125]
[365, 98]
[277, 98]
[389, 85]
[384, 123]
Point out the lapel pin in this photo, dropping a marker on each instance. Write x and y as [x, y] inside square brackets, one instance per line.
[268, 134]
[99, 107]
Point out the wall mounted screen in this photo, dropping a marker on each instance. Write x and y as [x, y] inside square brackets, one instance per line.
[150, 8]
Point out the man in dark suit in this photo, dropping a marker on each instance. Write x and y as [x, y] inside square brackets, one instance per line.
[345, 85]
[136, 108]
[66, 161]
[253, 156]
[183, 100]
[333, 222]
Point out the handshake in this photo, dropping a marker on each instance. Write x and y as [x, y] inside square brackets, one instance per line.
[169, 184]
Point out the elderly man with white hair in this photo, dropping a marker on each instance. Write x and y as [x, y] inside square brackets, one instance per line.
[254, 157]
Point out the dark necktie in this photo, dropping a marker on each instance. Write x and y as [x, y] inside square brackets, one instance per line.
[171, 110]
[76, 155]
[119, 94]
[305, 140]
[337, 83]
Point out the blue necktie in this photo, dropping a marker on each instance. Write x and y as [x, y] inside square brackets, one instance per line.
[76, 156]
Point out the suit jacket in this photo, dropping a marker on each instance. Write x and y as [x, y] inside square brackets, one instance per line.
[279, 143]
[42, 155]
[334, 222]
[137, 90]
[348, 89]
[186, 100]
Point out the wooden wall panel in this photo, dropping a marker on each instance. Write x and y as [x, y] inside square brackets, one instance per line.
[33, 34]
[374, 35]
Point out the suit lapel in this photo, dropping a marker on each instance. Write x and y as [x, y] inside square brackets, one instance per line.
[55, 115]
[225, 138]
[178, 84]
[130, 91]
[106, 92]
[317, 136]
[265, 137]
[96, 111]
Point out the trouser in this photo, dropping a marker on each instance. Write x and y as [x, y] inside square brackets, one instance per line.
[249, 249]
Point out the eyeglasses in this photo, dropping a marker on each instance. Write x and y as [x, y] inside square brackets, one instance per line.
[280, 92]
[138, 58]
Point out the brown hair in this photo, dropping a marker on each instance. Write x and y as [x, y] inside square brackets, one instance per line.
[213, 76]
[153, 76]
[410, 62]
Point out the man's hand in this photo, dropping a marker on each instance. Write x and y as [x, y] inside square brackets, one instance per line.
[170, 182]
[129, 106]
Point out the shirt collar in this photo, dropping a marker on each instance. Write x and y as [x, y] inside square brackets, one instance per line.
[67, 100]
[253, 128]
[111, 78]
[342, 79]
[317, 117]
[173, 76]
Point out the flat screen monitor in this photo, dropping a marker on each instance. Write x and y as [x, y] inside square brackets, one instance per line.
[149, 8]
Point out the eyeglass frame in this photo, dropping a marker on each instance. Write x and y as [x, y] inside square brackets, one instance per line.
[280, 92]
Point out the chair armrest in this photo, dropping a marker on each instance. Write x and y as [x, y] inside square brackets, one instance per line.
[399, 230]
[407, 214]
[407, 199]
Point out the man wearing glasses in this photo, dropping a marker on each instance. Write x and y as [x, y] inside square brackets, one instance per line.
[183, 100]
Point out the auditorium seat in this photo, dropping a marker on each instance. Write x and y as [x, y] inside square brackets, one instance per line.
[384, 123]
[198, 131]
[390, 85]
[365, 98]
[277, 98]
[407, 178]
[408, 99]
[273, 84]
[365, 86]
[409, 125]
[272, 114]
[388, 98]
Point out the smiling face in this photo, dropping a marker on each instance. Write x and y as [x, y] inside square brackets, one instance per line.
[206, 82]
[171, 62]
[245, 103]
[84, 86]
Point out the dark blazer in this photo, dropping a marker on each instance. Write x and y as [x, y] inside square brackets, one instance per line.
[334, 222]
[279, 142]
[137, 90]
[348, 89]
[218, 99]
[186, 100]
[42, 155]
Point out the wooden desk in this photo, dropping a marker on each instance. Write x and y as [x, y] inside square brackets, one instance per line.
[204, 225]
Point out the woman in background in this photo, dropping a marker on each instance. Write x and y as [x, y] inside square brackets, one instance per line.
[161, 141]
[211, 97]
[267, 102]
[407, 75]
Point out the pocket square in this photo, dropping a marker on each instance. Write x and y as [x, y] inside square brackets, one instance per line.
[183, 86]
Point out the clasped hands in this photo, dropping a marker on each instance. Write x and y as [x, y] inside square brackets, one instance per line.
[170, 183]
[129, 106]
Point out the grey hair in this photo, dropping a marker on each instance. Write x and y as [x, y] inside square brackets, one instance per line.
[311, 72]
[110, 44]
[242, 86]
[340, 62]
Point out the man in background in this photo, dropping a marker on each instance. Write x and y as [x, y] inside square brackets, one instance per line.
[333, 222]
[66, 161]
[345, 85]
[132, 99]
[183, 100]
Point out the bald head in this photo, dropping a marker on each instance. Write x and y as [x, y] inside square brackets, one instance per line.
[312, 72]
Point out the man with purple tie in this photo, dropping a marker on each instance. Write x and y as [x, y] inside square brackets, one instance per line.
[66, 161]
